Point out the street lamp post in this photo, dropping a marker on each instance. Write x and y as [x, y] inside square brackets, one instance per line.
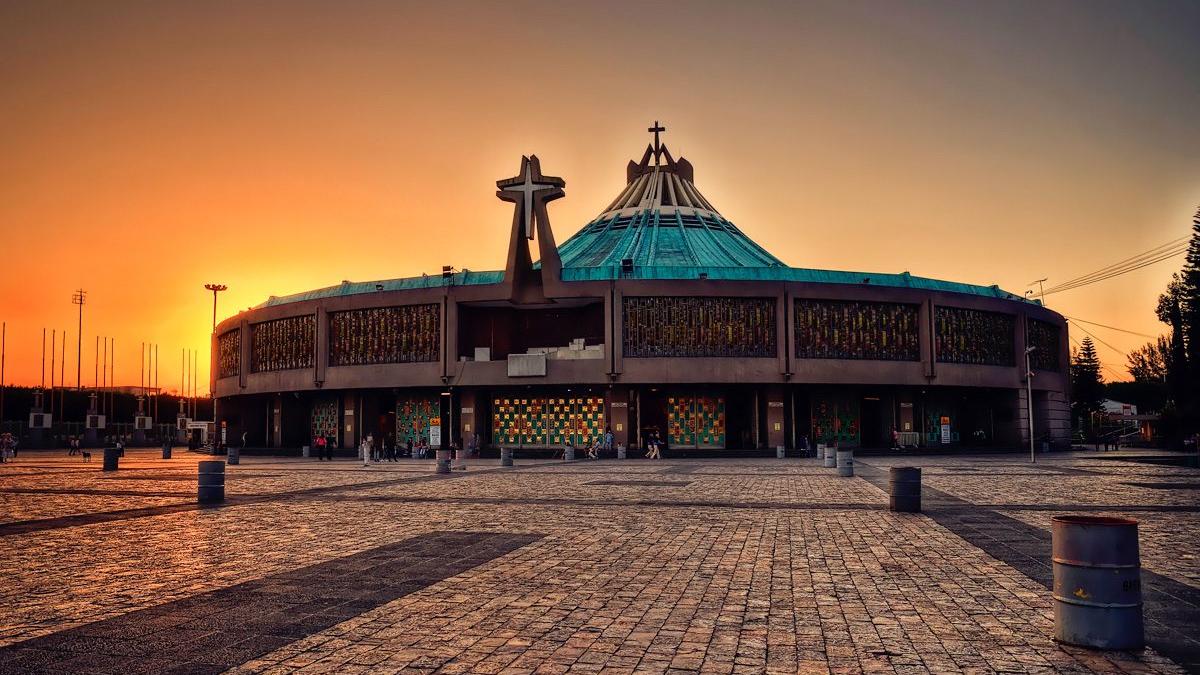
[79, 298]
[1029, 400]
[215, 288]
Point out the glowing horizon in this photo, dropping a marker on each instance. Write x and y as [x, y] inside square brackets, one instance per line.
[282, 148]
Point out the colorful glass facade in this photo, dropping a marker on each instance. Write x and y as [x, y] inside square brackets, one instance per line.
[882, 331]
[324, 419]
[283, 344]
[229, 353]
[404, 334]
[547, 421]
[835, 421]
[974, 337]
[413, 418]
[696, 421]
[698, 327]
[1046, 337]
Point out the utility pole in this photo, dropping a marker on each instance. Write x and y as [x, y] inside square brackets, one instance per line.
[1029, 400]
[79, 298]
[1041, 290]
[53, 353]
[62, 379]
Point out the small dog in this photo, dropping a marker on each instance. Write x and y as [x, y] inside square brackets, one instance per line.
[87, 456]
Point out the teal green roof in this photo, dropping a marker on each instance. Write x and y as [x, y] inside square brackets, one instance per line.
[466, 278]
[656, 238]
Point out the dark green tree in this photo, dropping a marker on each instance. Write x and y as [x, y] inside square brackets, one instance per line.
[1149, 362]
[1087, 385]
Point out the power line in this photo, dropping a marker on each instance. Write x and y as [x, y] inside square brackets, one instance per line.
[1156, 255]
[1130, 260]
[1085, 332]
[1120, 330]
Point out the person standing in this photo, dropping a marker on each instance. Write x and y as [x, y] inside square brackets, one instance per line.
[608, 440]
[319, 444]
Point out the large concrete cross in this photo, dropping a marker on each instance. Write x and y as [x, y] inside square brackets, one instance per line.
[527, 187]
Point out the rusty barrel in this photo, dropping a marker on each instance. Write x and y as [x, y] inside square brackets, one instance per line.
[904, 489]
[111, 457]
[210, 483]
[1097, 582]
[845, 463]
[506, 457]
[443, 462]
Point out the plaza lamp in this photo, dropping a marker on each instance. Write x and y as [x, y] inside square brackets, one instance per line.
[215, 288]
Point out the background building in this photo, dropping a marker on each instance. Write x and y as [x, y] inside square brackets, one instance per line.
[658, 315]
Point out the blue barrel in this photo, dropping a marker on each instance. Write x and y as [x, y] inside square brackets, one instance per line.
[904, 489]
[166, 451]
[1097, 582]
[234, 455]
[210, 482]
[111, 457]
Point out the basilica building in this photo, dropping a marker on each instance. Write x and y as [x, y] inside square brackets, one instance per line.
[660, 316]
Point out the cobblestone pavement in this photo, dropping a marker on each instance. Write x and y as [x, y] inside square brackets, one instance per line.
[717, 566]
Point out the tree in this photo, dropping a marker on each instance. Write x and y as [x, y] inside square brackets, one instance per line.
[1087, 386]
[1149, 363]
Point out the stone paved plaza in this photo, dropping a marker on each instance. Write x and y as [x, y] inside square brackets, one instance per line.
[680, 565]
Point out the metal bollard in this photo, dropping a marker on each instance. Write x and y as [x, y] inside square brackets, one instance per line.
[779, 453]
[234, 455]
[111, 457]
[845, 463]
[904, 489]
[210, 484]
[569, 453]
[506, 457]
[620, 451]
[443, 461]
[830, 457]
[1097, 582]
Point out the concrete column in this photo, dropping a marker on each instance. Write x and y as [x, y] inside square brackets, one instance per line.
[618, 414]
[1051, 416]
[321, 358]
[467, 417]
[926, 327]
[348, 432]
[775, 432]
[244, 366]
[277, 421]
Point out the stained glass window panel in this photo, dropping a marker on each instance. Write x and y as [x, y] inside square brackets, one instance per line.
[404, 334]
[283, 344]
[974, 337]
[881, 331]
[699, 327]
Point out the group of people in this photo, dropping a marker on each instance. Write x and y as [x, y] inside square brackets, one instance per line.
[654, 445]
[382, 448]
[8, 447]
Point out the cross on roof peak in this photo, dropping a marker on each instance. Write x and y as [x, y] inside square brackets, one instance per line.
[656, 129]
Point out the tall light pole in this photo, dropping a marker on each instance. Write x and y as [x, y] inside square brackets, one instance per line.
[79, 298]
[1029, 400]
[215, 288]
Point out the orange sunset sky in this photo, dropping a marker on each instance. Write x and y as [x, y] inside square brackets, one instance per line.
[150, 147]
